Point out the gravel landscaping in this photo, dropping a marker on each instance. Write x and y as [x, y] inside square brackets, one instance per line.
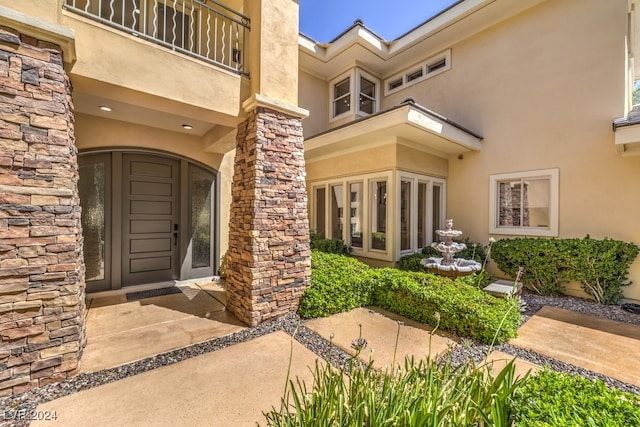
[291, 324]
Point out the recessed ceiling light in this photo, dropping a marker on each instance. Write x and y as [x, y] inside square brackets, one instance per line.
[105, 108]
[187, 127]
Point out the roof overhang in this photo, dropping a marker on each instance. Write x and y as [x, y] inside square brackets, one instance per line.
[627, 138]
[456, 23]
[407, 124]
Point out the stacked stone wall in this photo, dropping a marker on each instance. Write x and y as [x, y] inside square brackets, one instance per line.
[269, 263]
[42, 311]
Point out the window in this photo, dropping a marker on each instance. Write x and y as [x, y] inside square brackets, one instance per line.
[201, 223]
[367, 101]
[356, 214]
[429, 68]
[341, 97]
[121, 12]
[173, 26]
[93, 187]
[378, 220]
[525, 203]
[405, 215]
[320, 219]
[393, 84]
[437, 211]
[422, 215]
[415, 75]
[436, 65]
[337, 212]
[344, 90]
[420, 210]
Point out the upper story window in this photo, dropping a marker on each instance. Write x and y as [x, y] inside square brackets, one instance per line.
[524, 203]
[346, 87]
[431, 67]
[342, 97]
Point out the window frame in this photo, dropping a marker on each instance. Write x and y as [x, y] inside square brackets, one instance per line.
[554, 180]
[423, 67]
[349, 95]
[428, 221]
[361, 74]
[355, 76]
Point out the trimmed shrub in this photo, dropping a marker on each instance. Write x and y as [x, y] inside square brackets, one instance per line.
[464, 310]
[477, 280]
[411, 262]
[599, 265]
[338, 283]
[331, 246]
[552, 398]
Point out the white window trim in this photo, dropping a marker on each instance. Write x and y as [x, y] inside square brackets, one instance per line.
[314, 208]
[366, 180]
[446, 55]
[354, 75]
[552, 230]
[352, 87]
[363, 74]
[416, 179]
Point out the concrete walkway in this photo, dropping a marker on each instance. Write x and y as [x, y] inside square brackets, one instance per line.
[120, 332]
[230, 387]
[235, 385]
[599, 345]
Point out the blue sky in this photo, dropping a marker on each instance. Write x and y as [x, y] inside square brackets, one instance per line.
[323, 20]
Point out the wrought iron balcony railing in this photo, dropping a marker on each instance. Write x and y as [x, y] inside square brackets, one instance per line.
[204, 29]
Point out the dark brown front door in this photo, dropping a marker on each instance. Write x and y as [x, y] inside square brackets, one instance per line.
[150, 219]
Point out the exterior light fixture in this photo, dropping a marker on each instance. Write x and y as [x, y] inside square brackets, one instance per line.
[105, 108]
[187, 127]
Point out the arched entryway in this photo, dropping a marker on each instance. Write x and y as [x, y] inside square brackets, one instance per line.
[147, 217]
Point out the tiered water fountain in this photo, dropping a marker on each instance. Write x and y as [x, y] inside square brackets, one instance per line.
[447, 265]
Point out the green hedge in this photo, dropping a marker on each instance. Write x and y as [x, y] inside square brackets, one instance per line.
[331, 246]
[599, 265]
[340, 283]
[464, 310]
[557, 399]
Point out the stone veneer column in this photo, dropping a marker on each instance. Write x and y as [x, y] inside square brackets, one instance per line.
[269, 256]
[42, 289]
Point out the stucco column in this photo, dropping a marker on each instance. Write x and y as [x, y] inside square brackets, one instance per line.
[42, 288]
[269, 256]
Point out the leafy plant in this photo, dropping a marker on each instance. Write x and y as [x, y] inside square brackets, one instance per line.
[423, 393]
[466, 311]
[599, 265]
[338, 283]
[553, 398]
[412, 262]
[332, 246]
[222, 269]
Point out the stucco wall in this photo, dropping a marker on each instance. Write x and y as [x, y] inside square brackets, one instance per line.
[543, 89]
[314, 96]
[373, 160]
[411, 160]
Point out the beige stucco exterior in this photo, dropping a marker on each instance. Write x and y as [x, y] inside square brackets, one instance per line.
[541, 85]
[529, 85]
[153, 91]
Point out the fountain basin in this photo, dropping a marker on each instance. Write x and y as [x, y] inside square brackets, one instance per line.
[459, 267]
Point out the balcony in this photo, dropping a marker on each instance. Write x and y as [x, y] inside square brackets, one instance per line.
[207, 30]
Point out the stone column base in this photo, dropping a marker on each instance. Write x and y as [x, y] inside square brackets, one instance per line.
[269, 256]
